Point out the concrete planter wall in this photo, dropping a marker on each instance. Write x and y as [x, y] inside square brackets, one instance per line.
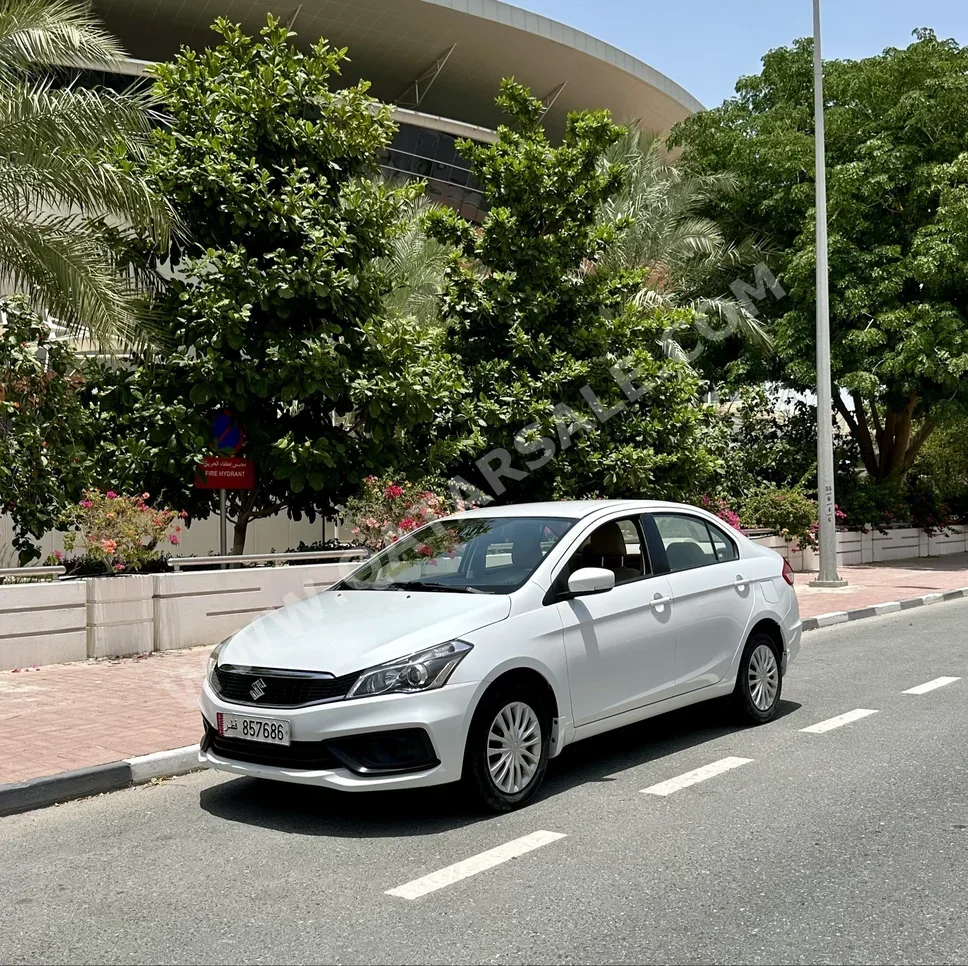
[42, 624]
[120, 615]
[951, 542]
[191, 609]
[854, 547]
[798, 559]
[49, 623]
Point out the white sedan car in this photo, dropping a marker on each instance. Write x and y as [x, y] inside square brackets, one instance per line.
[477, 648]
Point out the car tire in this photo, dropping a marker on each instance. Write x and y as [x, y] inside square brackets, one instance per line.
[754, 698]
[519, 710]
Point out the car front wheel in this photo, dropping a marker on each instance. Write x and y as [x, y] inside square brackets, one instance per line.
[507, 750]
[759, 682]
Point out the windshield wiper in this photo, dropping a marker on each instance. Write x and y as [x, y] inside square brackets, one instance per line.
[431, 585]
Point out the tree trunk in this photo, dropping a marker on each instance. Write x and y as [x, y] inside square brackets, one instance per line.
[242, 519]
[238, 542]
[890, 450]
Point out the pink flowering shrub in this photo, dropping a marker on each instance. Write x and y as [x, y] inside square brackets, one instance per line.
[722, 510]
[116, 533]
[386, 511]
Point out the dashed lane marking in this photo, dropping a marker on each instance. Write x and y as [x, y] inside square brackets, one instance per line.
[695, 776]
[842, 719]
[476, 863]
[930, 685]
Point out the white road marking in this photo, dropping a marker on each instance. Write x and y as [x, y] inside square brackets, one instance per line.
[821, 726]
[695, 776]
[473, 865]
[930, 685]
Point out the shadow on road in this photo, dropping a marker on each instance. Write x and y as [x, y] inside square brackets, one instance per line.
[305, 810]
[600, 759]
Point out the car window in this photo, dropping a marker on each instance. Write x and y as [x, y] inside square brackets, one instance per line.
[724, 546]
[686, 540]
[464, 554]
[616, 546]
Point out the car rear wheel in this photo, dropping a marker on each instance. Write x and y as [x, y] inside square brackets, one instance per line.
[759, 682]
[507, 749]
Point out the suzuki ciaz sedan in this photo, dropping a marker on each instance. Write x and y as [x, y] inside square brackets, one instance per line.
[478, 647]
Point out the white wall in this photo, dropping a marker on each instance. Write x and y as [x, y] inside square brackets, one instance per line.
[192, 608]
[42, 624]
[70, 620]
[855, 548]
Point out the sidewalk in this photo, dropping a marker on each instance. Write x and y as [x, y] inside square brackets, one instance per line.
[68, 716]
[881, 582]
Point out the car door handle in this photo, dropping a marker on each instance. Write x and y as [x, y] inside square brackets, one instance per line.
[660, 601]
[740, 581]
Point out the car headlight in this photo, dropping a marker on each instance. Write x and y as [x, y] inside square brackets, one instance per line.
[213, 658]
[422, 671]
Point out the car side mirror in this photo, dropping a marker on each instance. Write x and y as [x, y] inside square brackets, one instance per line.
[590, 580]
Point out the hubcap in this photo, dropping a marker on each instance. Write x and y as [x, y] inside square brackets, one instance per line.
[514, 747]
[764, 677]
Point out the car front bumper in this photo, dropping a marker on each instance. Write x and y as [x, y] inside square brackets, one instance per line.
[443, 714]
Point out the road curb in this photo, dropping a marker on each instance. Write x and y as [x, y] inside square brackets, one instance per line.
[164, 764]
[875, 610]
[64, 787]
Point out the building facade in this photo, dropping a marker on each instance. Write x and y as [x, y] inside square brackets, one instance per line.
[439, 62]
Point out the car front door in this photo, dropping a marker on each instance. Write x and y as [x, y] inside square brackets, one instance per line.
[712, 602]
[619, 645]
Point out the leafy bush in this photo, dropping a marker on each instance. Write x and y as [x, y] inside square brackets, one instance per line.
[115, 533]
[42, 461]
[790, 513]
[938, 482]
[870, 504]
[387, 511]
[721, 508]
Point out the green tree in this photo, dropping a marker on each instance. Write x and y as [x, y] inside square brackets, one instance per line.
[540, 334]
[43, 460]
[897, 168]
[71, 189]
[279, 314]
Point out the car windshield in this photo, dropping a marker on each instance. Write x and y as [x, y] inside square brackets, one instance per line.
[485, 555]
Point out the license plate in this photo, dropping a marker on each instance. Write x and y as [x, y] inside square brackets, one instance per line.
[273, 731]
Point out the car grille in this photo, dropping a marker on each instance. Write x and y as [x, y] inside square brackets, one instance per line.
[278, 689]
[308, 755]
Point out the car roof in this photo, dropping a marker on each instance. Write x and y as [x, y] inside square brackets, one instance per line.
[572, 509]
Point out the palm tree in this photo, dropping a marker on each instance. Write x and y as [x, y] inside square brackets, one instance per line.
[70, 182]
[688, 261]
[416, 265]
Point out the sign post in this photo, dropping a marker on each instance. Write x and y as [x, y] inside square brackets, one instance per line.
[223, 529]
[224, 473]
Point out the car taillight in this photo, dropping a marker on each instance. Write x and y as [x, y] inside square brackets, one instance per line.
[788, 572]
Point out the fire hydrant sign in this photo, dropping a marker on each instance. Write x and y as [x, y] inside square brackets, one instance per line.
[225, 473]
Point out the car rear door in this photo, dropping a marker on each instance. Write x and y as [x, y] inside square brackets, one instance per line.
[712, 595]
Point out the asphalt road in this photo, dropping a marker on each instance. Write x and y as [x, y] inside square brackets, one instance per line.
[844, 846]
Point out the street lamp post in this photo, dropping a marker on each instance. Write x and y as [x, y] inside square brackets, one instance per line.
[825, 442]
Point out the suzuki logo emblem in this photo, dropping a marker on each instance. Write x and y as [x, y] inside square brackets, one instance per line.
[258, 689]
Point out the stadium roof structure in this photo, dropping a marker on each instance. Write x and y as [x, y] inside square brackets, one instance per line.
[442, 58]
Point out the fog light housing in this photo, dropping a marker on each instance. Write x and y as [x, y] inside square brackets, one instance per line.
[386, 752]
